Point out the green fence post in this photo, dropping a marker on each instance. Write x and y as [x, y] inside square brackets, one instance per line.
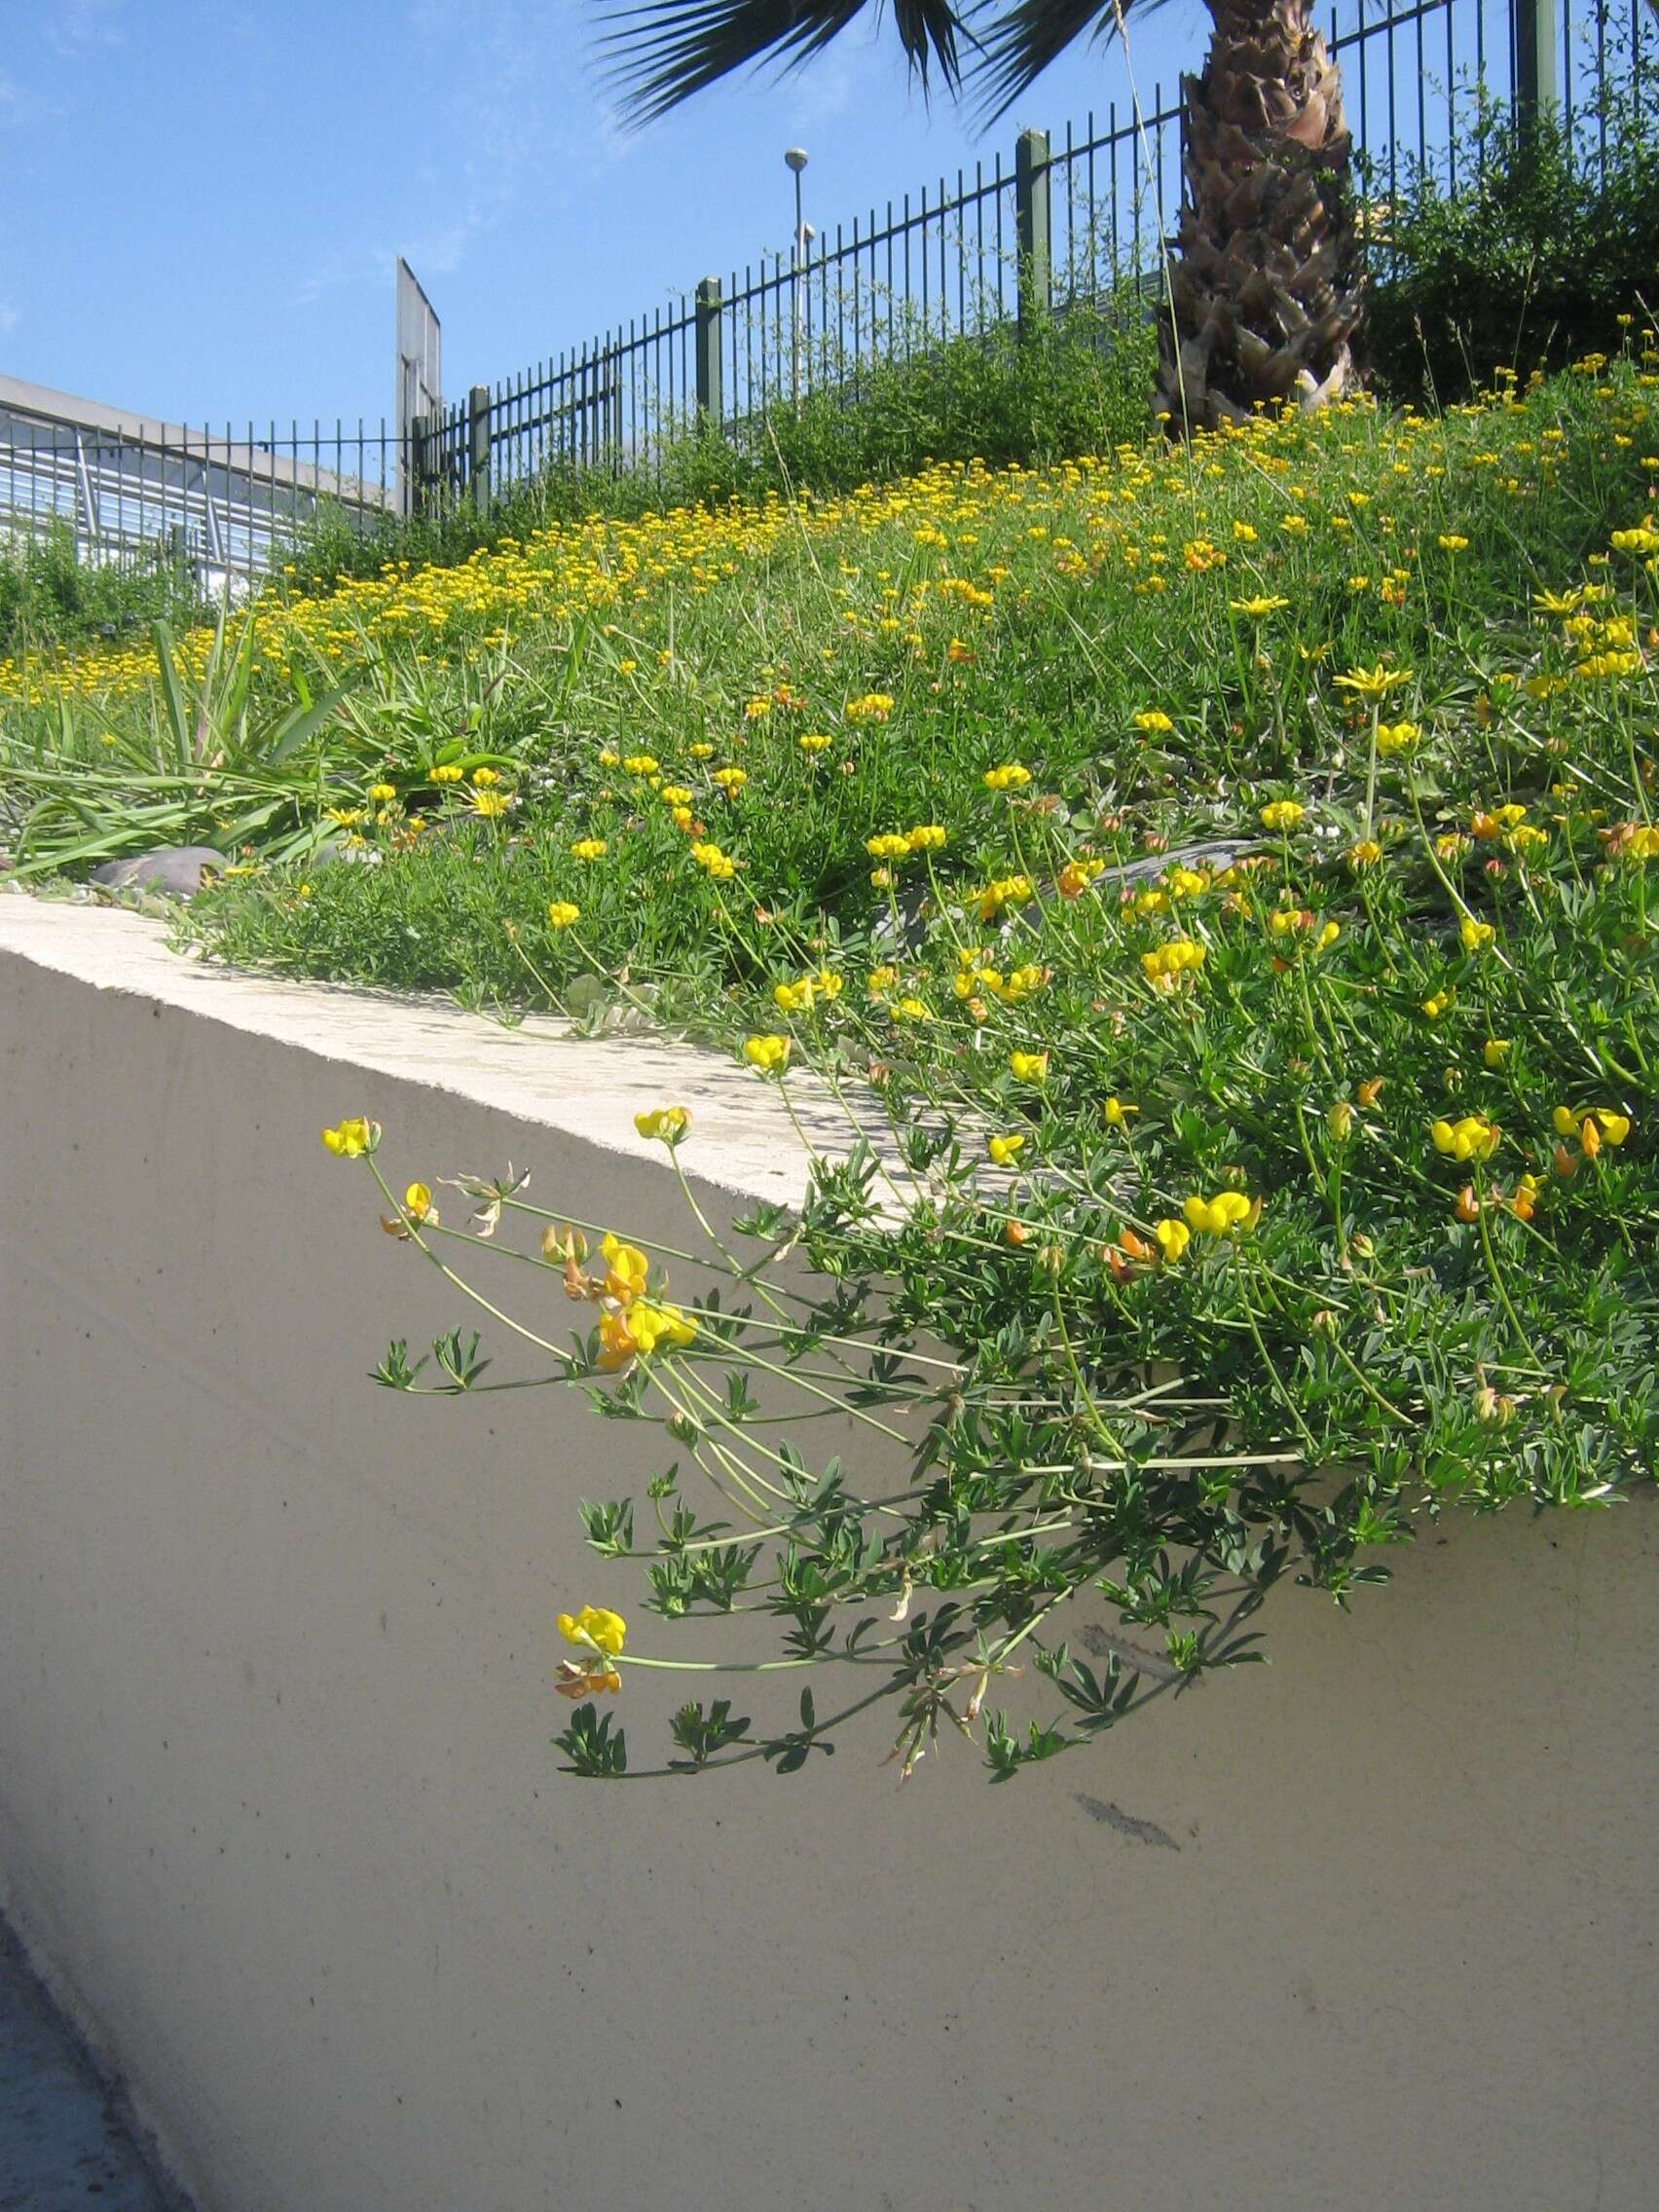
[710, 397]
[1537, 62]
[478, 443]
[418, 474]
[1031, 228]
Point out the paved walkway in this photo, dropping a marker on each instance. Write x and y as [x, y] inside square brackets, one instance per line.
[63, 2147]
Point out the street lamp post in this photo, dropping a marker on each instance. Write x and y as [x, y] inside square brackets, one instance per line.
[796, 157]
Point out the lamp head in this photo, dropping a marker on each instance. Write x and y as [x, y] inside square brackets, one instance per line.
[796, 157]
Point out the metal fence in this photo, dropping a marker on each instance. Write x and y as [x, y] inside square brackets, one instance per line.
[217, 505]
[1071, 220]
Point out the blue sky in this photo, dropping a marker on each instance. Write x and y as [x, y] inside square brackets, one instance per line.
[203, 202]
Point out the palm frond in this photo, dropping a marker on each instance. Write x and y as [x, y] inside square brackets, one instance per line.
[1022, 39]
[664, 51]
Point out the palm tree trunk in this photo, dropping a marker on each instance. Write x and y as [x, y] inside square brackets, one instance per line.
[1266, 288]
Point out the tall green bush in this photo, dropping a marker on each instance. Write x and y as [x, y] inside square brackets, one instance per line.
[49, 596]
[1534, 260]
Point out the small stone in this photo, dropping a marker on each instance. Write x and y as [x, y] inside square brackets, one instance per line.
[176, 871]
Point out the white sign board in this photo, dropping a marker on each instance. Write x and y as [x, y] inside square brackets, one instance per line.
[420, 364]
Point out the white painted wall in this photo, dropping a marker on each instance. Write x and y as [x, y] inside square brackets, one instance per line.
[278, 1805]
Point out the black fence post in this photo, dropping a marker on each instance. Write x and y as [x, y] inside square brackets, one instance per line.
[710, 397]
[1032, 237]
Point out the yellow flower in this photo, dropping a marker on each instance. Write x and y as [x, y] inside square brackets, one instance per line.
[383, 793]
[1029, 1067]
[1153, 722]
[769, 1054]
[1436, 1004]
[913, 1010]
[1075, 878]
[561, 914]
[731, 779]
[626, 1269]
[1011, 777]
[874, 707]
[1397, 737]
[1227, 1214]
[650, 1326]
[641, 764]
[1327, 936]
[1173, 1236]
[1476, 936]
[664, 1124]
[888, 845]
[1642, 539]
[417, 1203]
[1450, 542]
[1118, 1114]
[1339, 1121]
[484, 779]
[1257, 608]
[1164, 967]
[814, 741]
[1373, 682]
[1006, 891]
[588, 849]
[447, 773]
[1471, 1138]
[1366, 853]
[701, 751]
[925, 838]
[1003, 1149]
[490, 806]
[1615, 1128]
[1495, 1051]
[1281, 814]
[714, 862]
[352, 1139]
[595, 1627]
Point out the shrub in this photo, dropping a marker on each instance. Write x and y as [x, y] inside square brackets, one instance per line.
[1533, 265]
[49, 595]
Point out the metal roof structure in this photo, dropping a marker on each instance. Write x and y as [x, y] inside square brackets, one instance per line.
[131, 487]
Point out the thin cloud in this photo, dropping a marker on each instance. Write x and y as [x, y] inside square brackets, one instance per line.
[495, 65]
[73, 29]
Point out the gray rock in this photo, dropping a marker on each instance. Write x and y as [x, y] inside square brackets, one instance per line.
[1217, 853]
[173, 870]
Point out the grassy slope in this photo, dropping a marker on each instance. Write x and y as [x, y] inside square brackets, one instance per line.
[1351, 1135]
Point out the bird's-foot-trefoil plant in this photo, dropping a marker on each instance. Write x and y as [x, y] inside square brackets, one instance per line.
[1233, 1216]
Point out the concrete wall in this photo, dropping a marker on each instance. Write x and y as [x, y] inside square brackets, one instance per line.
[1371, 1928]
